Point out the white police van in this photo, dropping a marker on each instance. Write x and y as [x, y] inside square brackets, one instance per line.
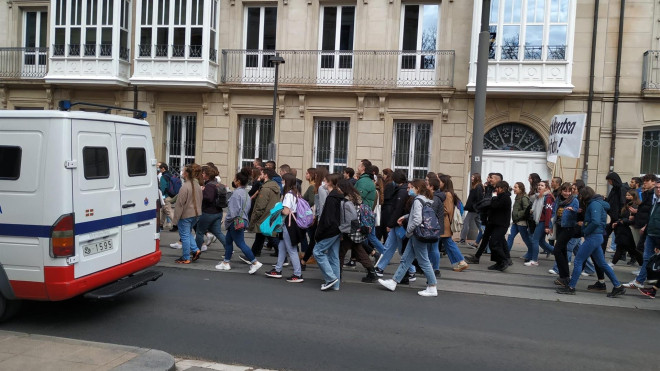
[78, 194]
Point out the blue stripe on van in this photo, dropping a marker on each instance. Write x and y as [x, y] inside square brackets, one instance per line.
[26, 230]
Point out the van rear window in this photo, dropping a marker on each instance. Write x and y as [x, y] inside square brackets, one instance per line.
[96, 163]
[10, 162]
[137, 161]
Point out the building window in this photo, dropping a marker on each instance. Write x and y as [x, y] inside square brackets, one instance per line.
[172, 28]
[513, 137]
[419, 39]
[338, 25]
[260, 35]
[331, 144]
[181, 138]
[651, 152]
[529, 30]
[35, 30]
[412, 148]
[256, 140]
[85, 28]
[96, 164]
[10, 158]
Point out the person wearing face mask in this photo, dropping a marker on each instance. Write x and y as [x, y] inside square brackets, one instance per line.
[625, 239]
[564, 213]
[416, 248]
[542, 211]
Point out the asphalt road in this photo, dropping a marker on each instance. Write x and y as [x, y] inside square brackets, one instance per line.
[258, 321]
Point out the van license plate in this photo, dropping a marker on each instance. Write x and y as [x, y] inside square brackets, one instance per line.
[97, 247]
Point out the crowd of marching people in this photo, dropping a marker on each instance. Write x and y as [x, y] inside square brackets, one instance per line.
[372, 215]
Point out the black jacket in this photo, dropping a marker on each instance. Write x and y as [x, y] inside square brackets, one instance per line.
[499, 213]
[475, 195]
[644, 209]
[617, 196]
[483, 213]
[438, 207]
[328, 224]
[388, 202]
[398, 206]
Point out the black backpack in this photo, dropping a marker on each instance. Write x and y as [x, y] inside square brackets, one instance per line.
[220, 196]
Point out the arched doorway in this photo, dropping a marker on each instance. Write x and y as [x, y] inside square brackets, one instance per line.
[515, 150]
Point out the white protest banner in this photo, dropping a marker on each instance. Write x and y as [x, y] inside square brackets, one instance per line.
[566, 134]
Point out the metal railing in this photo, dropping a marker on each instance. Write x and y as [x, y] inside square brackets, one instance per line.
[367, 68]
[651, 70]
[23, 62]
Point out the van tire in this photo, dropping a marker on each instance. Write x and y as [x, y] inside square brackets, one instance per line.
[8, 308]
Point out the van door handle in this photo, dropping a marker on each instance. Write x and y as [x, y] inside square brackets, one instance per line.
[126, 206]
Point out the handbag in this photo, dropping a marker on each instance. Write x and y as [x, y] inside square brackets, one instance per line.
[377, 210]
[239, 222]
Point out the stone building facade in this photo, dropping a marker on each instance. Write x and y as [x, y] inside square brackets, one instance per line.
[388, 80]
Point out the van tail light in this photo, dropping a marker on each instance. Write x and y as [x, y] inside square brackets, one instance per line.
[62, 238]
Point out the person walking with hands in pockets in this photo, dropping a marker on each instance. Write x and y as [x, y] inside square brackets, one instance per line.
[416, 249]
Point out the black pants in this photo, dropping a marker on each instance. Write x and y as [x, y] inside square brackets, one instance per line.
[561, 254]
[258, 244]
[485, 240]
[311, 231]
[499, 249]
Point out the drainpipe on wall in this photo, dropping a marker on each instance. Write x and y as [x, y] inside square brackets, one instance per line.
[135, 97]
[615, 108]
[590, 100]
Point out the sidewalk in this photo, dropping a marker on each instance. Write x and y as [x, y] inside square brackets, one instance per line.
[25, 352]
[519, 281]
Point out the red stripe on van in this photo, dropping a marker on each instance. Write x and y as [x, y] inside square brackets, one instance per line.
[60, 285]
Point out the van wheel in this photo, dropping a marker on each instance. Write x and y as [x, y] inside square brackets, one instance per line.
[8, 308]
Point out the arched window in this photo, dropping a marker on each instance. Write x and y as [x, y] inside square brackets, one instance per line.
[513, 137]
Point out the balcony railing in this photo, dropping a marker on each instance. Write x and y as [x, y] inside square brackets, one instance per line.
[171, 51]
[89, 51]
[23, 62]
[365, 68]
[651, 70]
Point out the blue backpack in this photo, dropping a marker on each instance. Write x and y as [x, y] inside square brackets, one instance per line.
[429, 230]
[272, 225]
[173, 184]
[304, 215]
[367, 218]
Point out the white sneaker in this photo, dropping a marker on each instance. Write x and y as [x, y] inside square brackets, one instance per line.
[223, 266]
[635, 272]
[390, 284]
[206, 239]
[584, 274]
[609, 249]
[254, 267]
[212, 238]
[553, 272]
[531, 263]
[633, 284]
[175, 245]
[430, 291]
[204, 247]
[286, 264]
[328, 285]
[610, 264]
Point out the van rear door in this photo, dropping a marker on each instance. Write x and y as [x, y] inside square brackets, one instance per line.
[139, 191]
[96, 201]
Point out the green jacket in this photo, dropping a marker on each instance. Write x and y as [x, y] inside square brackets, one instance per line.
[367, 188]
[519, 207]
[269, 195]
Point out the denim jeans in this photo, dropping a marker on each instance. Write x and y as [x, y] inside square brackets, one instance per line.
[649, 244]
[188, 243]
[524, 234]
[539, 239]
[434, 255]
[285, 248]
[472, 218]
[392, 243]
[574, 246]
[326, 253]
[591, 247]
[238, 237]
[452, 250]
[374, 241]
[416, 249]
[482, 227]
[210, 223]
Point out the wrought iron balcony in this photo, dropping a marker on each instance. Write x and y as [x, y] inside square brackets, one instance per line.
[651, 72]
[27, 63]
[360, 68]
